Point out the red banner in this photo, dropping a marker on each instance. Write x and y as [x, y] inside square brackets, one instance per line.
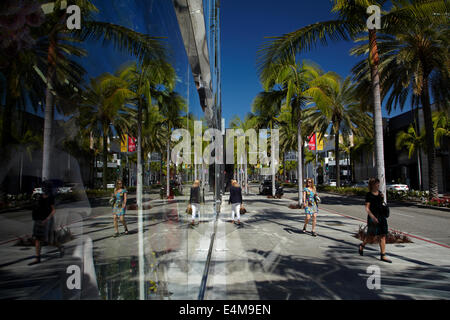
[312, 142]
[131, 144]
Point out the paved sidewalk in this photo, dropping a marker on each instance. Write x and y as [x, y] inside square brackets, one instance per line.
[270, 258]
[267, 257]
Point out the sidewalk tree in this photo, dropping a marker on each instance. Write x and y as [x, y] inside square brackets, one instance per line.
[336, 111]
[415, 63]
[351, 23]
[265, 109]
[287, 77]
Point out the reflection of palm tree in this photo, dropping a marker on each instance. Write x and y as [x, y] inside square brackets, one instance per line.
[143, 81]
[60, 42]
[336, 106]
[105, 110]
[266, 108]
[350, 23]
[414, 61]
[171, 104]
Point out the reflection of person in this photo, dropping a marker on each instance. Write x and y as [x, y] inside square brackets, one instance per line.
[194, 199]
[376, 222]
[119, 207]
[236, 201]
[310, 201]
[43, 217]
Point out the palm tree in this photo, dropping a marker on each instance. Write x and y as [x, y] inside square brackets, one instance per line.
[107, 112]
[61, 44]
[143, 81]
[415, 62]
[265, 109]
[336, 110]
[171, 105]
[350, 23]
[287, 77]
[244, 125]
[413, 142]
[441, 125]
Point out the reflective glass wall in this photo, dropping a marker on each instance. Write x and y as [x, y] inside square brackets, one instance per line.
[90, 90]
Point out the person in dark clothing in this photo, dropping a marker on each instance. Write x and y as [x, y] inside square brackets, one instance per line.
[43, 218]
[377, 225]
[194, 200]
[235, 201]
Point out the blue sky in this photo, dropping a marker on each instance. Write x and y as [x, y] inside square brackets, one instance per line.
[244, 26]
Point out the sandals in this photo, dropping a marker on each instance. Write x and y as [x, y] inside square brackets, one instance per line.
[38, 260]
[126, 231]
[314, 234]
[116, 235]
[361, 249]
[384, 259]
[304, 230]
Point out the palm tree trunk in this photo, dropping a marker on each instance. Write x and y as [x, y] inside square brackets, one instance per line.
[105, 158]
[168, 170]
[429, 137]
[337, 154]
[48, 118]
[378, 118]
[299, 163]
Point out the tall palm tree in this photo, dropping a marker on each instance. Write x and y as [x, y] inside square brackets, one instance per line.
[413, 142]
[415, 63]
[265, 109]
[107, 111]
[62, 40]
[244, 125]
[287, 77]
[336, 110]
[143, 81]
[171, 105]
[350, 23]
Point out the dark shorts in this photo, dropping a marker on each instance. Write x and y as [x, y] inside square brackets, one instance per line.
[44, 231]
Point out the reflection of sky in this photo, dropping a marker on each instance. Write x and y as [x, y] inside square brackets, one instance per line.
[154, 17]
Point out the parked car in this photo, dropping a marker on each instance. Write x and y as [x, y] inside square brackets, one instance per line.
[332, 183]
[266, 188]
[362, 184]
[110, 186]
[397, 187]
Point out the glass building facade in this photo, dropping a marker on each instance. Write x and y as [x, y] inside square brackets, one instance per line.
[68, 112]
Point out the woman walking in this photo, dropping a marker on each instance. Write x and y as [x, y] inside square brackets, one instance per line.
[119, 207]
[236, 202]
[194, 200]
[44, 222]
[310, 199]
[376, 222]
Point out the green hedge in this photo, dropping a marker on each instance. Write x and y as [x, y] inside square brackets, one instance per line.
[343, 190]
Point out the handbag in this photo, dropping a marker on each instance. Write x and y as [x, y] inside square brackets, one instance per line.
[385, 210]
[242, 210]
